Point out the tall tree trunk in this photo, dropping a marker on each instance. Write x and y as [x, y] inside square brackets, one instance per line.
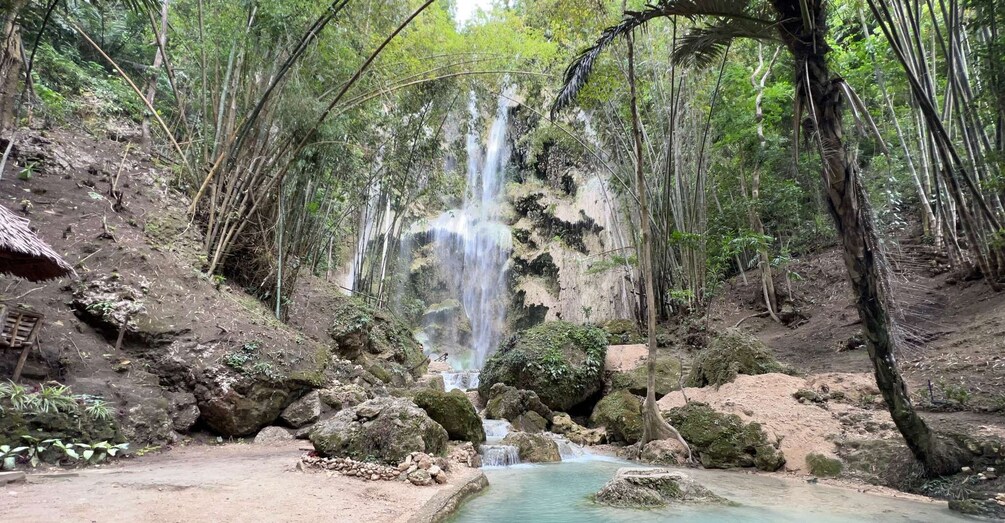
[151, 87]
[819, 94]
[11, 62]
[654, 426]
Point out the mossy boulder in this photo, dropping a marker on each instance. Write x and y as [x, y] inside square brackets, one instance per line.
[75, 426]
[623, 332]
[654, 488]
[454, 412]
[732, 353]
[533, 448]
[562, 362]
[620, 412]
[510, 403]
[384, 430]
[724, 441]
[636, 380]
[374, 339]
[823, 466]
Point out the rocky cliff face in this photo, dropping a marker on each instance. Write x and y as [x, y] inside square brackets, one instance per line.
[569, 255]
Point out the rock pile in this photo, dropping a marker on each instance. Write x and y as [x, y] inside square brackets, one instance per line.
[418, 468]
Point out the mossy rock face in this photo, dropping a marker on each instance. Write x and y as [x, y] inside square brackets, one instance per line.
[533, 448]
[454, 411]
[823, 466]
[384, 430]
[620, 412]
[510, 403]
[560, 361]
[379, 342]
[623, 332]
[731, 354]
[636, 380]
[723, 441]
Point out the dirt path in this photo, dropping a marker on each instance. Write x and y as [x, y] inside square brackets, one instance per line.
[219, 484]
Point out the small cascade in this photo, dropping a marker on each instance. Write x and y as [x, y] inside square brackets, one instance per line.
[499, 455]
[464, 380]
[567, 449]
[496, 429]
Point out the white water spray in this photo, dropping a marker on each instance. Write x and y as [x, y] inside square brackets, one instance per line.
[473, 245]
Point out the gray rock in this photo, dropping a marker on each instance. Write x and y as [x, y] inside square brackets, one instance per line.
[273, 435]
[384, 429]
[341, 396]
[304, 411]
[184, 410]
[420, 477]
[648, 488]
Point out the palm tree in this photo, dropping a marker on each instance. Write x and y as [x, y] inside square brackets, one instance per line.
[801, 27]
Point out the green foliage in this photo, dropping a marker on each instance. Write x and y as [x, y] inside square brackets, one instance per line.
[729, 354]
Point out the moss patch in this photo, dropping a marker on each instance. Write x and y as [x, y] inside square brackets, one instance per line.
[381, 343]
[824, 466]
[621, 413]
[454, 412]
[731, 354]
[636, 381]
[723, 440]
[560, 361]
[623, 332]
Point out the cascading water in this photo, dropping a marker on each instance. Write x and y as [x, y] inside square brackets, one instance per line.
[499, 455]
[473, 246]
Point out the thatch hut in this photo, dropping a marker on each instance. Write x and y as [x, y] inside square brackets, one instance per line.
[24, 254]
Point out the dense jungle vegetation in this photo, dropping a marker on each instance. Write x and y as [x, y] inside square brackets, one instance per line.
[737, 133]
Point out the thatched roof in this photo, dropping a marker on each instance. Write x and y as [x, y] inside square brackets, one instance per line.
[24, 254]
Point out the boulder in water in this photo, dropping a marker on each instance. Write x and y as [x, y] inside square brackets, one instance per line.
[563, 424]
[530, 422]
[509, 403]
[733, 352]
[620, 412]
[384, 429]
[723, 440]
[562, 362]
[533, 448]
[454, 412]
[663, 452]
[650, 488]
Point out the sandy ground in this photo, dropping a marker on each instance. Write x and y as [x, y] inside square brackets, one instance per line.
[216, 483]
[802, 428]
[625, 357]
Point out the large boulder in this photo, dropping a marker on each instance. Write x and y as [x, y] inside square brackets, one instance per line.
[244, 406]
[517, 406]
[723, 441]
[338, 396]
[560, 361]
[386, 430]
[304, 411]
[652, 488]
[636, 380]
[733, 352]
[563, 424]
[620, 412]
[533, 448]
[382, 344]
[273, 436]
[454, 412]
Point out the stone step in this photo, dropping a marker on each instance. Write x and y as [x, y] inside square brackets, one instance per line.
[11, 477]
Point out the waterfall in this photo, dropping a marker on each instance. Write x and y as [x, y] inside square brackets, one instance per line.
[567, 449]
[499, 455]
[473, 245]
[496, 429]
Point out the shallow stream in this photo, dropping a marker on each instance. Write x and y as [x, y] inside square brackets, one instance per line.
[560, 493]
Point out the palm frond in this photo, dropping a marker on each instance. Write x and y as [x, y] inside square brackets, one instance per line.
[578, 73]
[746, 22]
[702, 46]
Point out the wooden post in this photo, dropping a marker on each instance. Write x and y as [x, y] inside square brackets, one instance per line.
[21, 361]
